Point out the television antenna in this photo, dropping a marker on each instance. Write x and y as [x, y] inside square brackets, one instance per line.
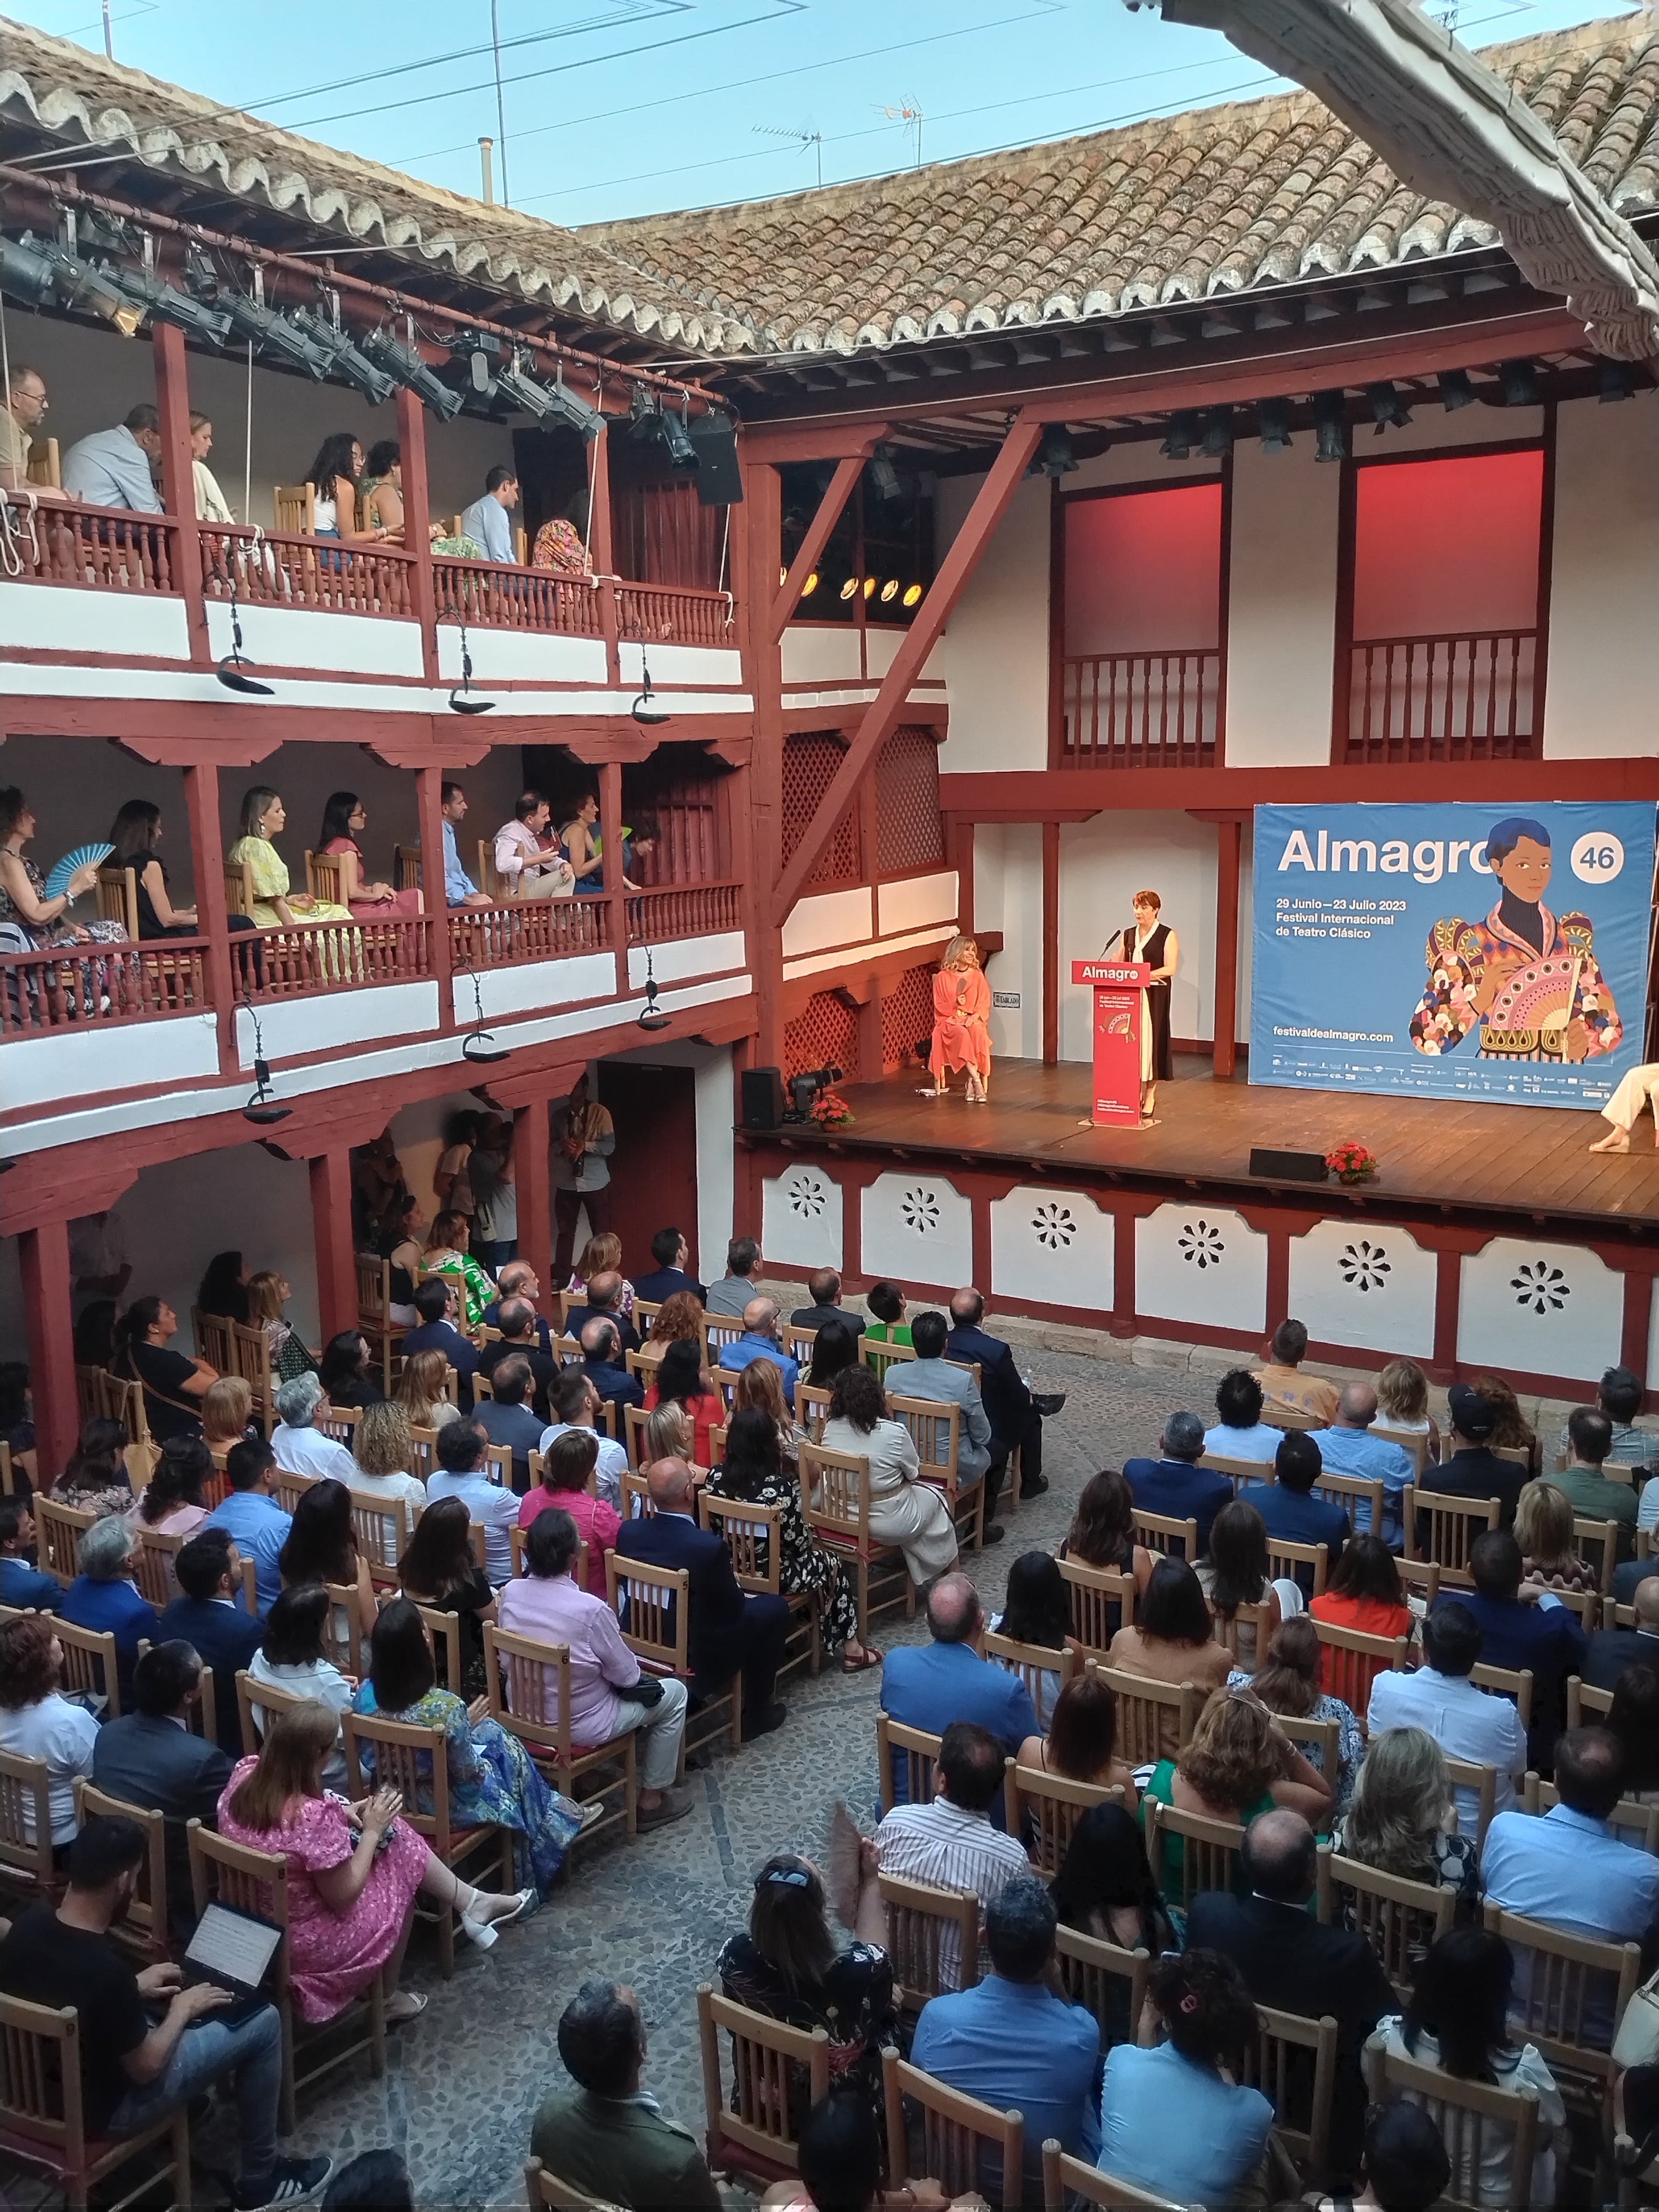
[909, 112]
[799, 136]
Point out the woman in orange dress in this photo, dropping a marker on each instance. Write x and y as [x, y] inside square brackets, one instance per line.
[961, 1008]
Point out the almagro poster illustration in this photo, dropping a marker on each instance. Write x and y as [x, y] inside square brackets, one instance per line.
[1455, 951]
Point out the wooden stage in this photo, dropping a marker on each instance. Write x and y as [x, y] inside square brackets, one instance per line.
[1450, 1155]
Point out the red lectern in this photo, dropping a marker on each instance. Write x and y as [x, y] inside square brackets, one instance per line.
[1119, 1012]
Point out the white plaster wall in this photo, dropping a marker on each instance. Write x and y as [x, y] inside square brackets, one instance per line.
[915, 902]
[1544, 1308]
[1604, 640]
[58, 618]
[916, 1229]
[1203, 1264]
[1008, 896]
[122, 1056]
[307, 637]
[511, 656]
[1368, 1285]
[801, 1217]
[828, 918]
[996, 644]
[821, 652]
[327, 1020]
[686, 955]
[1102, 862]
[1054, 1247]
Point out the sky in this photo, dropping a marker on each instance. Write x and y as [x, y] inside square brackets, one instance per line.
[623, 107]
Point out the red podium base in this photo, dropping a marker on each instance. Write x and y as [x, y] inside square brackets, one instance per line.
[1118, 985]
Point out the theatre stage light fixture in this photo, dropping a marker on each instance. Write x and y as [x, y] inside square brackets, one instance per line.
[1217, 432]
[1274, 417]
[849, 587]
[405, 366]
[651, 423]
[1331, 424]
[912, 595]
[885, 477]
[1181, 436]
[1055, 457]
[344, 358]
[1518, 381]
[26, 273]
[890, 591]
[869, 586]
[1388, 409]
[80, 286]
[1455, 390]
[157, 300]
[273, 335]
[1614, 379]
[810, 585]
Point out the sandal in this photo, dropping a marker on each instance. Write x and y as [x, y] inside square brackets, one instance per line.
[872, 1658]
[405, 2004]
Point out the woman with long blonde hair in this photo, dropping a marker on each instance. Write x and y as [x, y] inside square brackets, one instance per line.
[383, 1449]
[267, 1293]
[419, 1390]
[602, 1255]
[670, 1433]
[962, 1013]
[1402, 1405]
[759, 1385]
[1404, 1815]
[1544, 1530]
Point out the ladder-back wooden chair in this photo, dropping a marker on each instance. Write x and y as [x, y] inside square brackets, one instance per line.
[1043, 1811]
[1353, 1661]
[1471, 2118]
[1444, 1528]
[835, 1504]
[374, 1323]
[1585, 1702]
[653, 1611]
[239, 887]
[1305, 1565]
[59, 1530]
[1155, 1720]
[1209, 1848]
[1037, 1666]
[1246, 1632]
[812, 1409]
[212, 1335]
[1596, 1543]
[1068, 2181]
[552, 2191]
[89, 1664]
[1514, 1683]
[44, 466]
[1360, 1496]
[145, 1928]
[381, 1529]
[529, 1688]
[1162, 1534]
[935, 1429]
[250, 1357]
[1399, 1918]
[933, 1939]
[1106, 1980]
[43, 2118]
[1480, 1777]
[1102, 1602]
[295, 506]
[1300, 2091]
[26, 1862]
[965, 2145]
[913, 1784]
[778, 2074]
[883, 1356]
[753, 1538]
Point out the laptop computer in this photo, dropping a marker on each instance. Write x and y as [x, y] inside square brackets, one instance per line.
[232, 1950]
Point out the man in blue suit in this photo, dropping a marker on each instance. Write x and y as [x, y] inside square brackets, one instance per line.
[1016, 1412]
[671, 1252]
[210, 1616]
[928, 1685]
[729, 1632]
[1289, 1509]
[1541, 1635]
[1174, 1485]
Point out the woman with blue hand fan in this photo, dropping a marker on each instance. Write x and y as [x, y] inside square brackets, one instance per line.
[23, 903]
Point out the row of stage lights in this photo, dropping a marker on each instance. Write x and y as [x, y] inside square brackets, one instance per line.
[869, 587]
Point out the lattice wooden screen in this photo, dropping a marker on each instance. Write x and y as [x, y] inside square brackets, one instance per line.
[810, 761]
[825, 1036]
[910, 833]
[907, 1016]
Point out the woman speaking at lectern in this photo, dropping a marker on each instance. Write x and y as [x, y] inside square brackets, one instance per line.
[1155, 943]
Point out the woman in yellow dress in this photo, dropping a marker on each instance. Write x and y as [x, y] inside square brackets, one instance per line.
[275, 906]
[961, 1008]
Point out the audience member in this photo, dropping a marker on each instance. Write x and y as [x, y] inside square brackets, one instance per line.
[1105, 1888]
[728, 1297]
[374, 2181]
[610, 1694]
[1292, 1963]
[1102, 1533]
[1543, 1529]
[1592, 1495]
[135, 2069]
[1242, 1433]
[606, 2136]
[932, 1376]
[1472, 1468]
[1402, 1405]
[1081, 1744]
[151, 1758]
[208, 1617]
[334, 477]
[94, 1346]
[529, 858]
[566, 1467]
[105, 1597]
[729, 1634]
[888, 1308]
[904, 1509]
[95, 1480]
[383, 1448]
[583, 1139]
[460, 1473]
[1364, 1593]
[20, 418]
[268, 1294]
[1243, 1577]
[22, 1587]
[1404, 2167]
[762, 1338]
[678, 1320]
[293, 1658]
[948, 1843]
[344, 1371]
[352, 1872]
[519, 1279]
[1568, 1868]
[835, 1348]
[116, 468]
[17, 1406]
[1513, 1432]
[1175, 2119]
[1036, 1612]
[493, 1175]
[377, 1179]
[601, 1364]
[1347, 1447]
[507, 1420]
[439, 1571]
[788, 1965]
[928, 1685]
[418, 1392]
[1457, 2023]
[173, 1501]
[492, 1782]
[1633, 1722]
[1013, 2042]
[1015, 1410]
[671, 1252]
[1401, 1819]
[1290, 1511]
[99, 1265]
[824, 1288]
[448, 1254]
[682, 1379]
[1441, 1700]
[576, 1403]
[1170, 1640]
[1238, 1764]
[435, 1331]
[1175, 1486]
[485, 521]
[1538, 1633]
[459, 890]
[1620, 1396]
[1287, 1681]
[760, 1390]
[37, 1721]
[228, 1414]
[322, 1547]
[224, 1288]
[752, 1473]
[300, 1446]
[1284, 1384]
[1610, 1650]
[175, 1384]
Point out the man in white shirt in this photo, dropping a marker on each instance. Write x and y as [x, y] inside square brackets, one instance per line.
[300, 1446]
[530, 863]
[485, 521]
[576, 1402]
[948, 1843]
[1441, 1700]
[113, 468]
[460, 1473]
[1242, 1433]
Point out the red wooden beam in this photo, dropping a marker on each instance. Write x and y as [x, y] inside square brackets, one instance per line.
[43, 1258]
[821, 440]
[610, 837]
[990, 504]
[331, 1225]
[1075, 795]
[535, 1196]
[207, 863]
[411, 450]
[829, 510]
[1051, 942]
[599, 547]
[178, 480]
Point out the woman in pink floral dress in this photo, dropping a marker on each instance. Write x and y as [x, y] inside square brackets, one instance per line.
[353, 1871]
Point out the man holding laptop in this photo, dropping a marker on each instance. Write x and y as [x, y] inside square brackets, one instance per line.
[147, 2042]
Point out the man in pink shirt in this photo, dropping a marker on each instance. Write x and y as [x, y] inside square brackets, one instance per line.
[609, 1688]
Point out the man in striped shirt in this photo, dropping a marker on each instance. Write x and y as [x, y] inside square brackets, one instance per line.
[948, 1843]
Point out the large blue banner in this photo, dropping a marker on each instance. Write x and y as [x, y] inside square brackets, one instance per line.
[1474, 951]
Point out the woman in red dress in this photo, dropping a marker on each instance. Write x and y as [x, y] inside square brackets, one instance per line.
[961, 1008]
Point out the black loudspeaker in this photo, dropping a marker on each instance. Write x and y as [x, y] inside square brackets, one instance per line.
[719, 479]
[1290, 1167]
[762, 1098]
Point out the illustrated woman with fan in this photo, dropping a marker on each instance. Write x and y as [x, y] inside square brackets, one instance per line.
[1524, 979]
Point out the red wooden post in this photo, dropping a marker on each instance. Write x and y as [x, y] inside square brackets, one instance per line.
[429, 794]
[600, 549]
[535, 1194]
[760, 542]
[43, 1258]
[412, 450]
[1051, 942]
[611, 840]
[1229, 841]
[331, 1222]
[179, 480]
[207, 862]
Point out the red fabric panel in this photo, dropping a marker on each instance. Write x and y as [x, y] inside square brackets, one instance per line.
[1143, 571]
[1446, 545]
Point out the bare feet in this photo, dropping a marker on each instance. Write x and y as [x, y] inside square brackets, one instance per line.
[1617, 1140]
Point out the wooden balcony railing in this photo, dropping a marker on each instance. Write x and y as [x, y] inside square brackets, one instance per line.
[1141, 709]
[281, 568]
[674, 614]
[489, 597]
[286, 964]
[532, 929]
[1469, 695]
[682, 911]
[108, 548]
[80, 986]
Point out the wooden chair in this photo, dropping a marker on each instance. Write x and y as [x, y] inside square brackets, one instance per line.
[296, 508]
[42, 2119]
[778, 2074]
[411, 1759]
[26, 1864]
[1106, 1980]
[1162, 1532]
[1043, 1811]
[1032, 1662]
[443, 1636]
[212, 1335]
[343, 1638]
[753, 1535]
[406, 867]
[43, 467]
[645, 1313]
[834, 1503]
[1399, 1919]
[516, 1668]
[1239, 1472]
[551, 2190]
[1274, 2065]
[153, 1564]
[1323, 1737]
[8, 1472]
[253, 1698]
[920, 1751]
[1352, 1493]
[1414, 1442]
[256, 1882]
[422, 1452]
[1354, 1660]
[634, 1420]
[1102, 1602]
[1633, 1822]
[382, 1531]
[1586, 1702]
[239, 888]
[881, 1355]
[656, 1629]
[1597, 1545]
[337, 1423]
[1067, 2181]
[933, 1939]
[1514, 1683]
[1480, 1776]
[374, 1321]
[798, 1343]
[1452, 1525]
[1570, 1994]
[250, 1352]
[145, 1930]
[59, 1528]
[811, 1409]
[1463, 2111]
[89, 1664]
[719, 1331]
[1155, 1720]
[1420, 1583]
[936, 1431]
[288, 1488]
[1209, 1848]
[1254, 1618]
[636, 1495]
[1284, 1558]
[963, 2142]
[1584, 1605]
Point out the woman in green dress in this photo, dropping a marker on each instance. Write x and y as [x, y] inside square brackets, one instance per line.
[275, 905]
[491, 1779]
[1239, 1763]
[447, 1254]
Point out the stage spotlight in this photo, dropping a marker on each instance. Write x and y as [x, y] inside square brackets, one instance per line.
[344, 358]
[406, 367]
[890, 591]
[519, 389]
[803, 1089]
[1519, 383]
[163, 304]
[1614, 379]
[912, 595]
[1182, 437]
[849, 587]
[1331, 421]
[80, 286]
[885, 477]
[1274, 417]
[1455, 390]
[574, 413]
[810, 585]
[1389, 410]
[273, 335]
[26, 274]
[1055, 457]
[646, 708]
[1217, 432]
[651, 424]
[869, 586]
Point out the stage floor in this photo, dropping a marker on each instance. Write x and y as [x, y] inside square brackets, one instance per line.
[1452, 1153]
